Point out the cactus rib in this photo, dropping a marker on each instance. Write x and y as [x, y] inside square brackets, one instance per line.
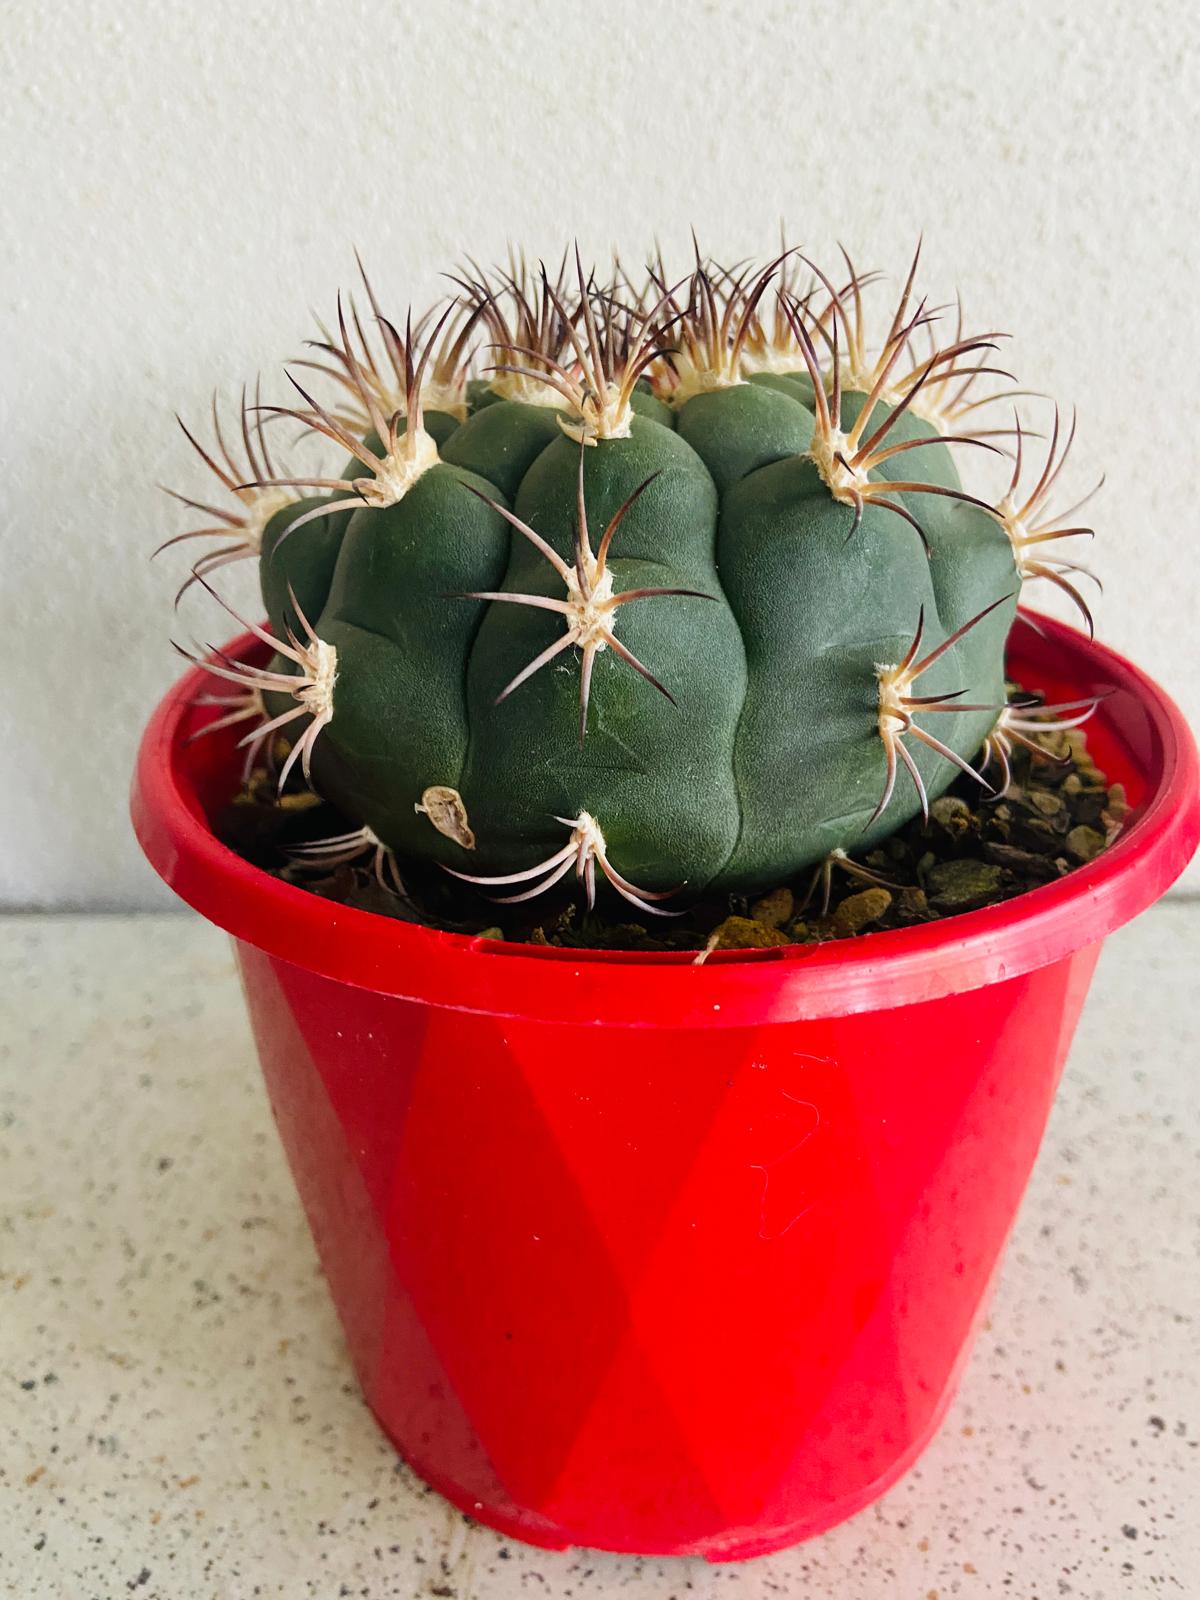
[590, 607]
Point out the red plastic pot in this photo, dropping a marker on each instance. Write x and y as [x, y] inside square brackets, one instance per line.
[656, 1257]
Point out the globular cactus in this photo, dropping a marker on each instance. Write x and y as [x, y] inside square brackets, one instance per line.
[681, 588]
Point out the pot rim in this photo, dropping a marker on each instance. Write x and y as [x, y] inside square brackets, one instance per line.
[668, 989]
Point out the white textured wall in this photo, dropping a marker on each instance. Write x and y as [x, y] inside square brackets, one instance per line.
[183, 181]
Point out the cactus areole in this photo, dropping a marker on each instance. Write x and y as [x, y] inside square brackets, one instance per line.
[665, 591]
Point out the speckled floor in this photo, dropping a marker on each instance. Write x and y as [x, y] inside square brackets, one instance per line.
[178, 1419]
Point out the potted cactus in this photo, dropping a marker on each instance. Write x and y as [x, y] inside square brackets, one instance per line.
[652, 595]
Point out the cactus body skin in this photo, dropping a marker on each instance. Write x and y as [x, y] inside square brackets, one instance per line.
[770, 757]
[782, 615]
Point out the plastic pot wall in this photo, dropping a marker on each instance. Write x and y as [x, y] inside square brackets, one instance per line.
[655, 1257]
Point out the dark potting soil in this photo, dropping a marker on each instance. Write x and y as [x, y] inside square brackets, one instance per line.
[975, 850]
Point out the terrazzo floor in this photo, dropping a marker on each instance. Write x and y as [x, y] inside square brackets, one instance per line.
[178, 1417]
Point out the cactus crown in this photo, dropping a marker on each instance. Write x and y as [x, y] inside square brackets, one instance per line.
[685, 567]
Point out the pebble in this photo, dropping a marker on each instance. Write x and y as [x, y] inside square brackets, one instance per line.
[1027, 862]
[1047, 802]
[962, 885]
[858, 910]
[745, 933]
[912, 902]
[774, 909]
[1085, 843]
[952, 813]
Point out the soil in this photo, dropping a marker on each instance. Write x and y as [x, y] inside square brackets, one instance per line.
[975, 850]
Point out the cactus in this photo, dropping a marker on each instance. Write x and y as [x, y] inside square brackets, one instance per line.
[680, 589]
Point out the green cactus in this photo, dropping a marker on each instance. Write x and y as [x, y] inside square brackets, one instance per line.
[683, 586]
